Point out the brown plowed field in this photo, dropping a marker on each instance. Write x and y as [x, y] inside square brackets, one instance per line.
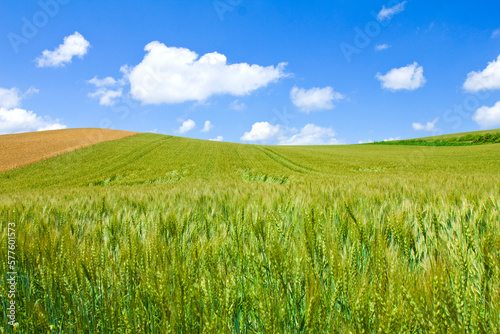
[25, 148]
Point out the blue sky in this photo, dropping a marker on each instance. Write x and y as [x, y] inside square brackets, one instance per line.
[280, 72]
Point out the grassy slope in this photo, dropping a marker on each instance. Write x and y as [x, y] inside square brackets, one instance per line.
[152, 158]
[155, 233]
[461, 134]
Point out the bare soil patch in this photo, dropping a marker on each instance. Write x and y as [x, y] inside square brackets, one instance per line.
[21, 149]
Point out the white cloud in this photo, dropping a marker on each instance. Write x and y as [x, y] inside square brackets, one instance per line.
[29, 92]
[218, 138]
[19, 120]
[207, 127]
[365, 141]
[312, 135]
[495, 33]
[381, 47]
[186, 126]
[489, 78]
[10, 98]
[14, 119]
[107, 97]
[388, 13]
[392, 139]
[309, 135]
[261, 131]
[174, 75]
[410, 77]
[314, 98]
[108, 81]
[236, 105]
[488, 117]
[73, 45]
[430, 126]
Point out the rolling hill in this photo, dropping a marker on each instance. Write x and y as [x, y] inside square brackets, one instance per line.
[152, 159]
[462, 134]
[162, 234]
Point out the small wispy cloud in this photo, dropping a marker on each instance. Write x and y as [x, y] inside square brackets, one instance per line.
[218, 138]
[392, 139]
[387, 13]
[237, 105]
[207, 127]
[108, 81]
[495, 33]
[106, 95]
[381, 47]
[430, 126]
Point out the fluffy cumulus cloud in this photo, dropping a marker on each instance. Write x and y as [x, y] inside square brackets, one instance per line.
[430, 126]
[18, 120]
[261, 132]
[387, 13]
[487, 79]
[10, 98]
[309, 135]
[308, 100]
[186, 126]
[410, 77]
[488, 117]
[73, 46]
[218, 138]
[174, 75]
[15, 120]
[207, 127]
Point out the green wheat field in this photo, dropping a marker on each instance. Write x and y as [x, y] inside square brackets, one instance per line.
[161, 234]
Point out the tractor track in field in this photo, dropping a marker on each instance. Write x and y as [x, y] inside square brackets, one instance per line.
[285, 162]
[131, 158]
